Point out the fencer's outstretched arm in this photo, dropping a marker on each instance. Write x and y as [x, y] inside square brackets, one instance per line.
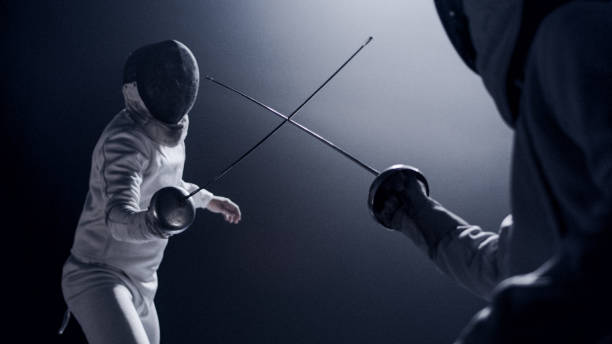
[125, 157]
[470, 255]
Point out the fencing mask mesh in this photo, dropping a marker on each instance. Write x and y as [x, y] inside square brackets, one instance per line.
[167, 77]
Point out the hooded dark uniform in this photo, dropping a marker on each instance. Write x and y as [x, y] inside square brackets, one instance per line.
[548, 66]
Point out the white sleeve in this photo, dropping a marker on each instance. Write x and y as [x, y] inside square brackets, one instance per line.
[473, 257]
[200, 199]
[125, 159]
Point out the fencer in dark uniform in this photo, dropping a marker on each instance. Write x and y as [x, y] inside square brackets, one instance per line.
[110, 279]
[548, 66]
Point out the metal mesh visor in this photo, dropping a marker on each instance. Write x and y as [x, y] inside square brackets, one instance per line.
[168, 78]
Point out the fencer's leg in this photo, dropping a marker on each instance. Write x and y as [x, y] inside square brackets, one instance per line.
[107, 314]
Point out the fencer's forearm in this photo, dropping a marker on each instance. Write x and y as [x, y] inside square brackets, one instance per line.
[465, 252]
[200, 199]
[132, 226]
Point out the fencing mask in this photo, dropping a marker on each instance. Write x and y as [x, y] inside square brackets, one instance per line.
[167, 77]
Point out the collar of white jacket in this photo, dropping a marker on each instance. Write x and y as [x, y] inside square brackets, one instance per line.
[160, 132]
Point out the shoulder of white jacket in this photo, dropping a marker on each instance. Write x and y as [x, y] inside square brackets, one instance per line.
[123, 130]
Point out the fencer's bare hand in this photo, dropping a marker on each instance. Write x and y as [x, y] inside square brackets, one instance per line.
[224, 206]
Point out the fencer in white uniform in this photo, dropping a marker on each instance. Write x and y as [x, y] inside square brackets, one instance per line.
[110, 279]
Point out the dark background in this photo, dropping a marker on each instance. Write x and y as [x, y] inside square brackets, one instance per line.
[307, 264]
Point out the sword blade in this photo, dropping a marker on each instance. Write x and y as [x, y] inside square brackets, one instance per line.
[298, 125]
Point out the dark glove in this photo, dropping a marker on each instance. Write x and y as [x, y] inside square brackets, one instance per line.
[396, 194]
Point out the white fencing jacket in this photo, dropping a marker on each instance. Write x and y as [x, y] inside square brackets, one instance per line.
[134, 157]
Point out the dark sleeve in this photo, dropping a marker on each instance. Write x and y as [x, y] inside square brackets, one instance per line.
[473, 257]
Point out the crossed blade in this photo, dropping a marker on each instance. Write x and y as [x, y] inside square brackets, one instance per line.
[288, 119]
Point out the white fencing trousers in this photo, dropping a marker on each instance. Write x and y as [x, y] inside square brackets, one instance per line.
[108, 308]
